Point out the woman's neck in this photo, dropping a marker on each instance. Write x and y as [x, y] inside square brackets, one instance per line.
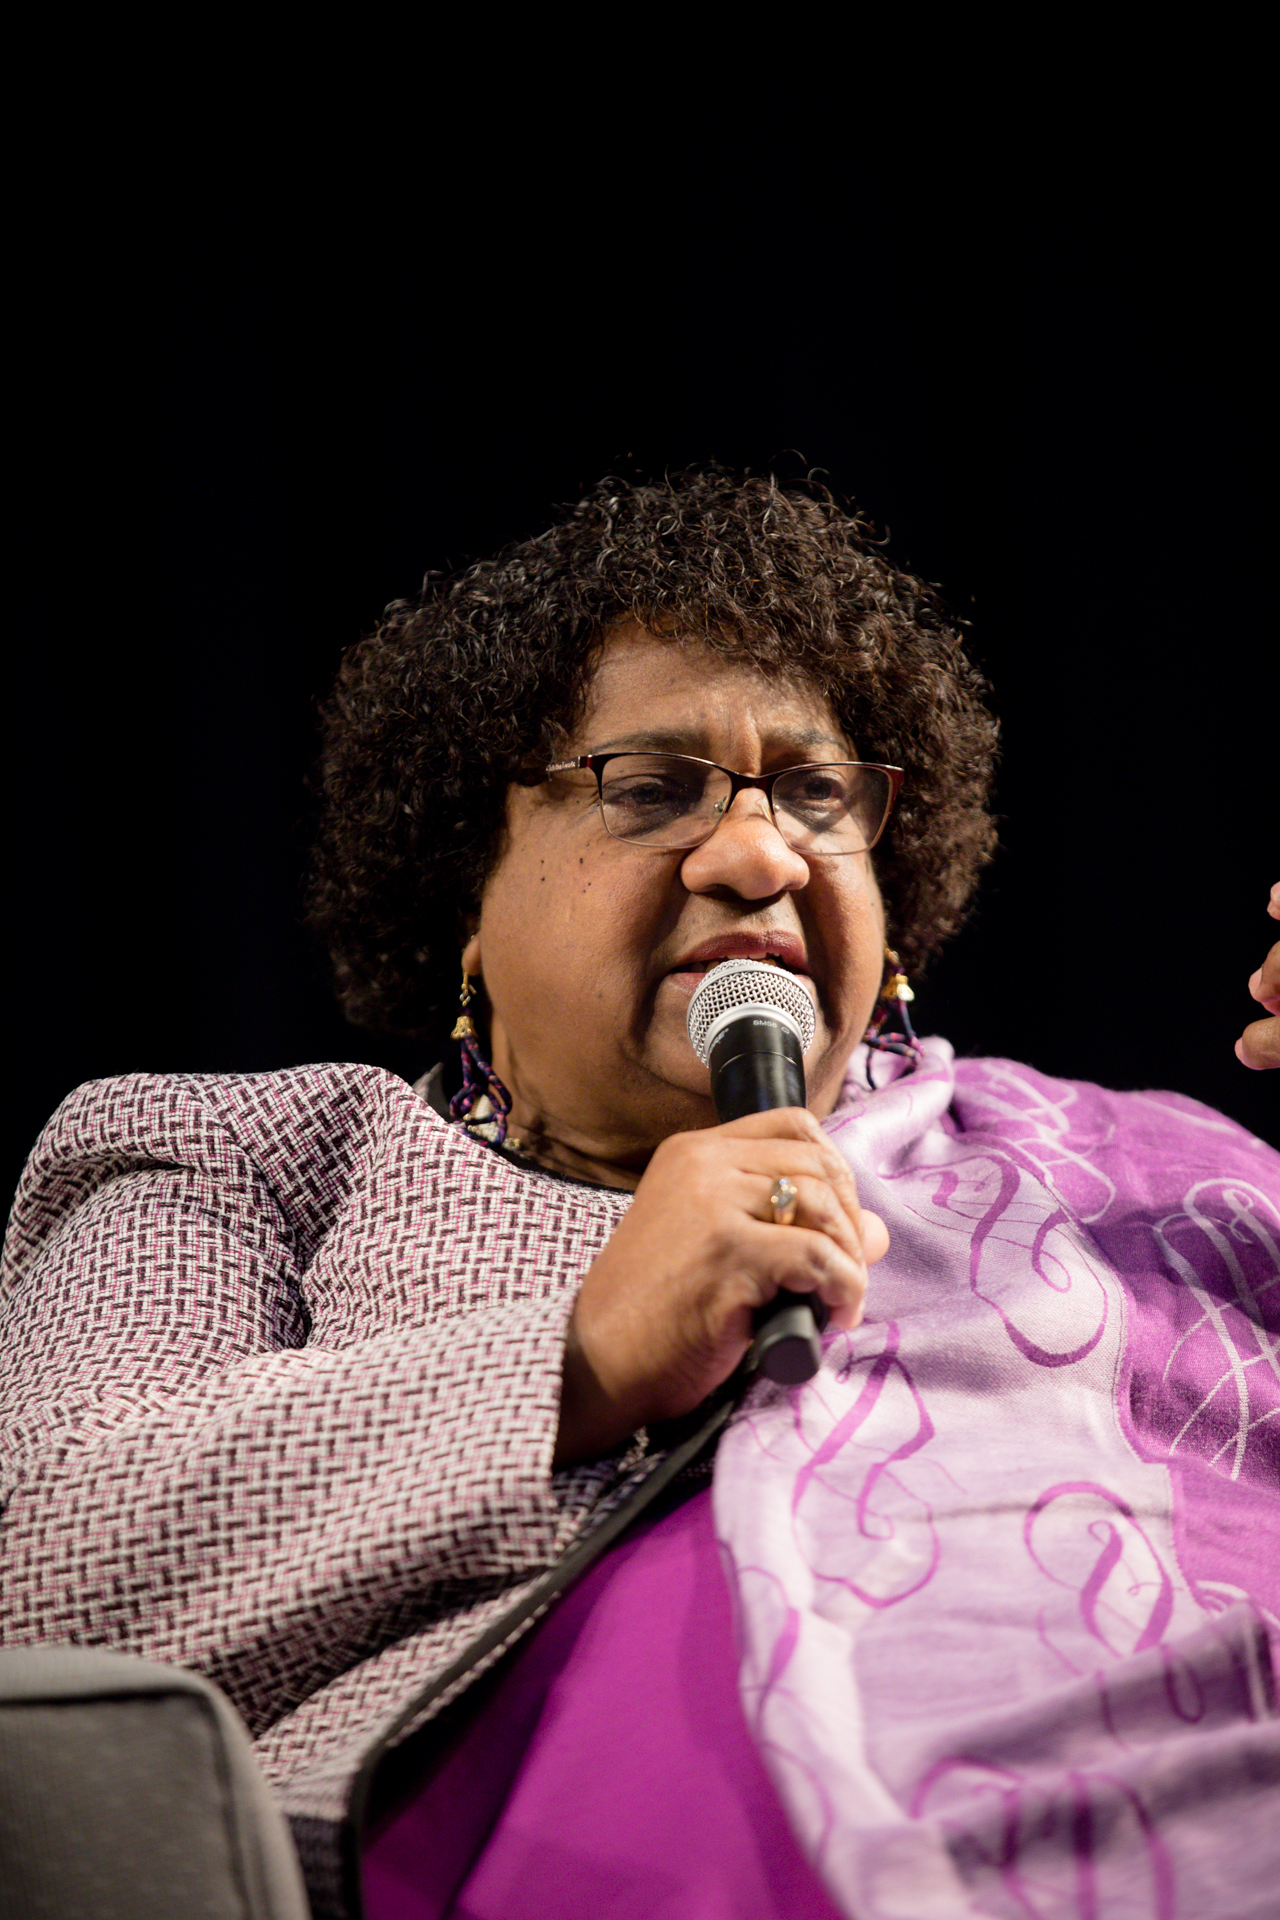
[540, 1148]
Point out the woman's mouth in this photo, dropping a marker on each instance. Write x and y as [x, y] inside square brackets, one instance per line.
[700, 967]
[786, 953]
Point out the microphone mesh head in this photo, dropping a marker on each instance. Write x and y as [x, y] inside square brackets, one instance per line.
[744, 985]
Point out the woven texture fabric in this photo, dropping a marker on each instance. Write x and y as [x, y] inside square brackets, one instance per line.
[281, 1371]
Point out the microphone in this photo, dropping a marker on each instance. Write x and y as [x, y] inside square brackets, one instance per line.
[751, 1025]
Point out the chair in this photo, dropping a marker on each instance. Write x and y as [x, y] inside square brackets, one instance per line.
[130, 1791]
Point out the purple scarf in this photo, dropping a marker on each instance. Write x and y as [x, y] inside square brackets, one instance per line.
[1005, 1571]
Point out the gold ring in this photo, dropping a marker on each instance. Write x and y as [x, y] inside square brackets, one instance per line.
[785, 1201]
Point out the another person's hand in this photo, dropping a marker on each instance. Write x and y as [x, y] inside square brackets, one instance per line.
[665, 1312]
[1259, 1044]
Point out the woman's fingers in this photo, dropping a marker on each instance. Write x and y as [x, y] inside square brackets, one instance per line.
[875, 1237]
[1259, 1045]
[821, 1208]
[804, 1259]
[815, 1153]
[664, 1313]
[790, 1142]
[1264, 985]
[818, 1203]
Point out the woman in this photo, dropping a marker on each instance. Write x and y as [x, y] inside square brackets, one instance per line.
[345, 1373]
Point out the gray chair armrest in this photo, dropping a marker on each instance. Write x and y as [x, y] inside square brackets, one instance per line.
[130, 1791]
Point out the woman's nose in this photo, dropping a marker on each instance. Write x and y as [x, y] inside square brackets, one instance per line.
[746, 854]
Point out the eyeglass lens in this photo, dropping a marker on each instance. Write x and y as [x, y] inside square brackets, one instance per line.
[664, 800]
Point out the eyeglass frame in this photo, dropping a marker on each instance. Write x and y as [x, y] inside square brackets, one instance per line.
[596, 763]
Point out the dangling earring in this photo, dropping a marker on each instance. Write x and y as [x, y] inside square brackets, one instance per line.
[894, 996]
[483, 1103]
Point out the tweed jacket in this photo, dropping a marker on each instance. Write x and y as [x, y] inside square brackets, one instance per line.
[281, 1374]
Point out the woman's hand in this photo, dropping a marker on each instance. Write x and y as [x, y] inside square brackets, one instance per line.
[665, 1312]
[1259, 1044]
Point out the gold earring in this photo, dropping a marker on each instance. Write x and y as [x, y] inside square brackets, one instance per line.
[895, 981]
[464, 1027]
[482, 1103]
[892, 999]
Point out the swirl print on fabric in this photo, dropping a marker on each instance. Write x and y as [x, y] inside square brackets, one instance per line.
[1005, 1570]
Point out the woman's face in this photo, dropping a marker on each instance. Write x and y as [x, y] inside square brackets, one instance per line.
[590, 947]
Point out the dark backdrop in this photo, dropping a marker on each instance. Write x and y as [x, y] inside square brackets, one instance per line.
[241, 450]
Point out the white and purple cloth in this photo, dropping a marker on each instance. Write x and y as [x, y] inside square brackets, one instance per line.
[1007, 1572]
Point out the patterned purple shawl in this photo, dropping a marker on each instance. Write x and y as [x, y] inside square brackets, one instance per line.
[1005, 1571]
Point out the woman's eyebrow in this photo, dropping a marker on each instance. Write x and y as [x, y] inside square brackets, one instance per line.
[650, 741]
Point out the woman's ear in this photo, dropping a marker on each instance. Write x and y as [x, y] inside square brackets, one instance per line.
[471, 962]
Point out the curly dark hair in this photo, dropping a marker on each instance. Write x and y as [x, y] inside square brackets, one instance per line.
[473, 686]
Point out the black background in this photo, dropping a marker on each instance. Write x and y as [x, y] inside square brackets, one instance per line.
[254, 421]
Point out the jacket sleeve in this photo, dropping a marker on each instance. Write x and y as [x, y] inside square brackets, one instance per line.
[205, 1460]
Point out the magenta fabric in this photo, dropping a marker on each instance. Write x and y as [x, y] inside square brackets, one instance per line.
[638, 1793]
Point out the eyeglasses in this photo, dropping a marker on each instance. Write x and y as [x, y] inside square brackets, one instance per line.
[671, 800]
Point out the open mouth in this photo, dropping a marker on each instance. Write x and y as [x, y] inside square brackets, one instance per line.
[689, 973]
[769, 959]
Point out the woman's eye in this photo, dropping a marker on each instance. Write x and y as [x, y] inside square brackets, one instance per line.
[819, 791]
[649, 794]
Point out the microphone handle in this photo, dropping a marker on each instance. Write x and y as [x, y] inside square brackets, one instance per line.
[756, 1065]
[786, 1348]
